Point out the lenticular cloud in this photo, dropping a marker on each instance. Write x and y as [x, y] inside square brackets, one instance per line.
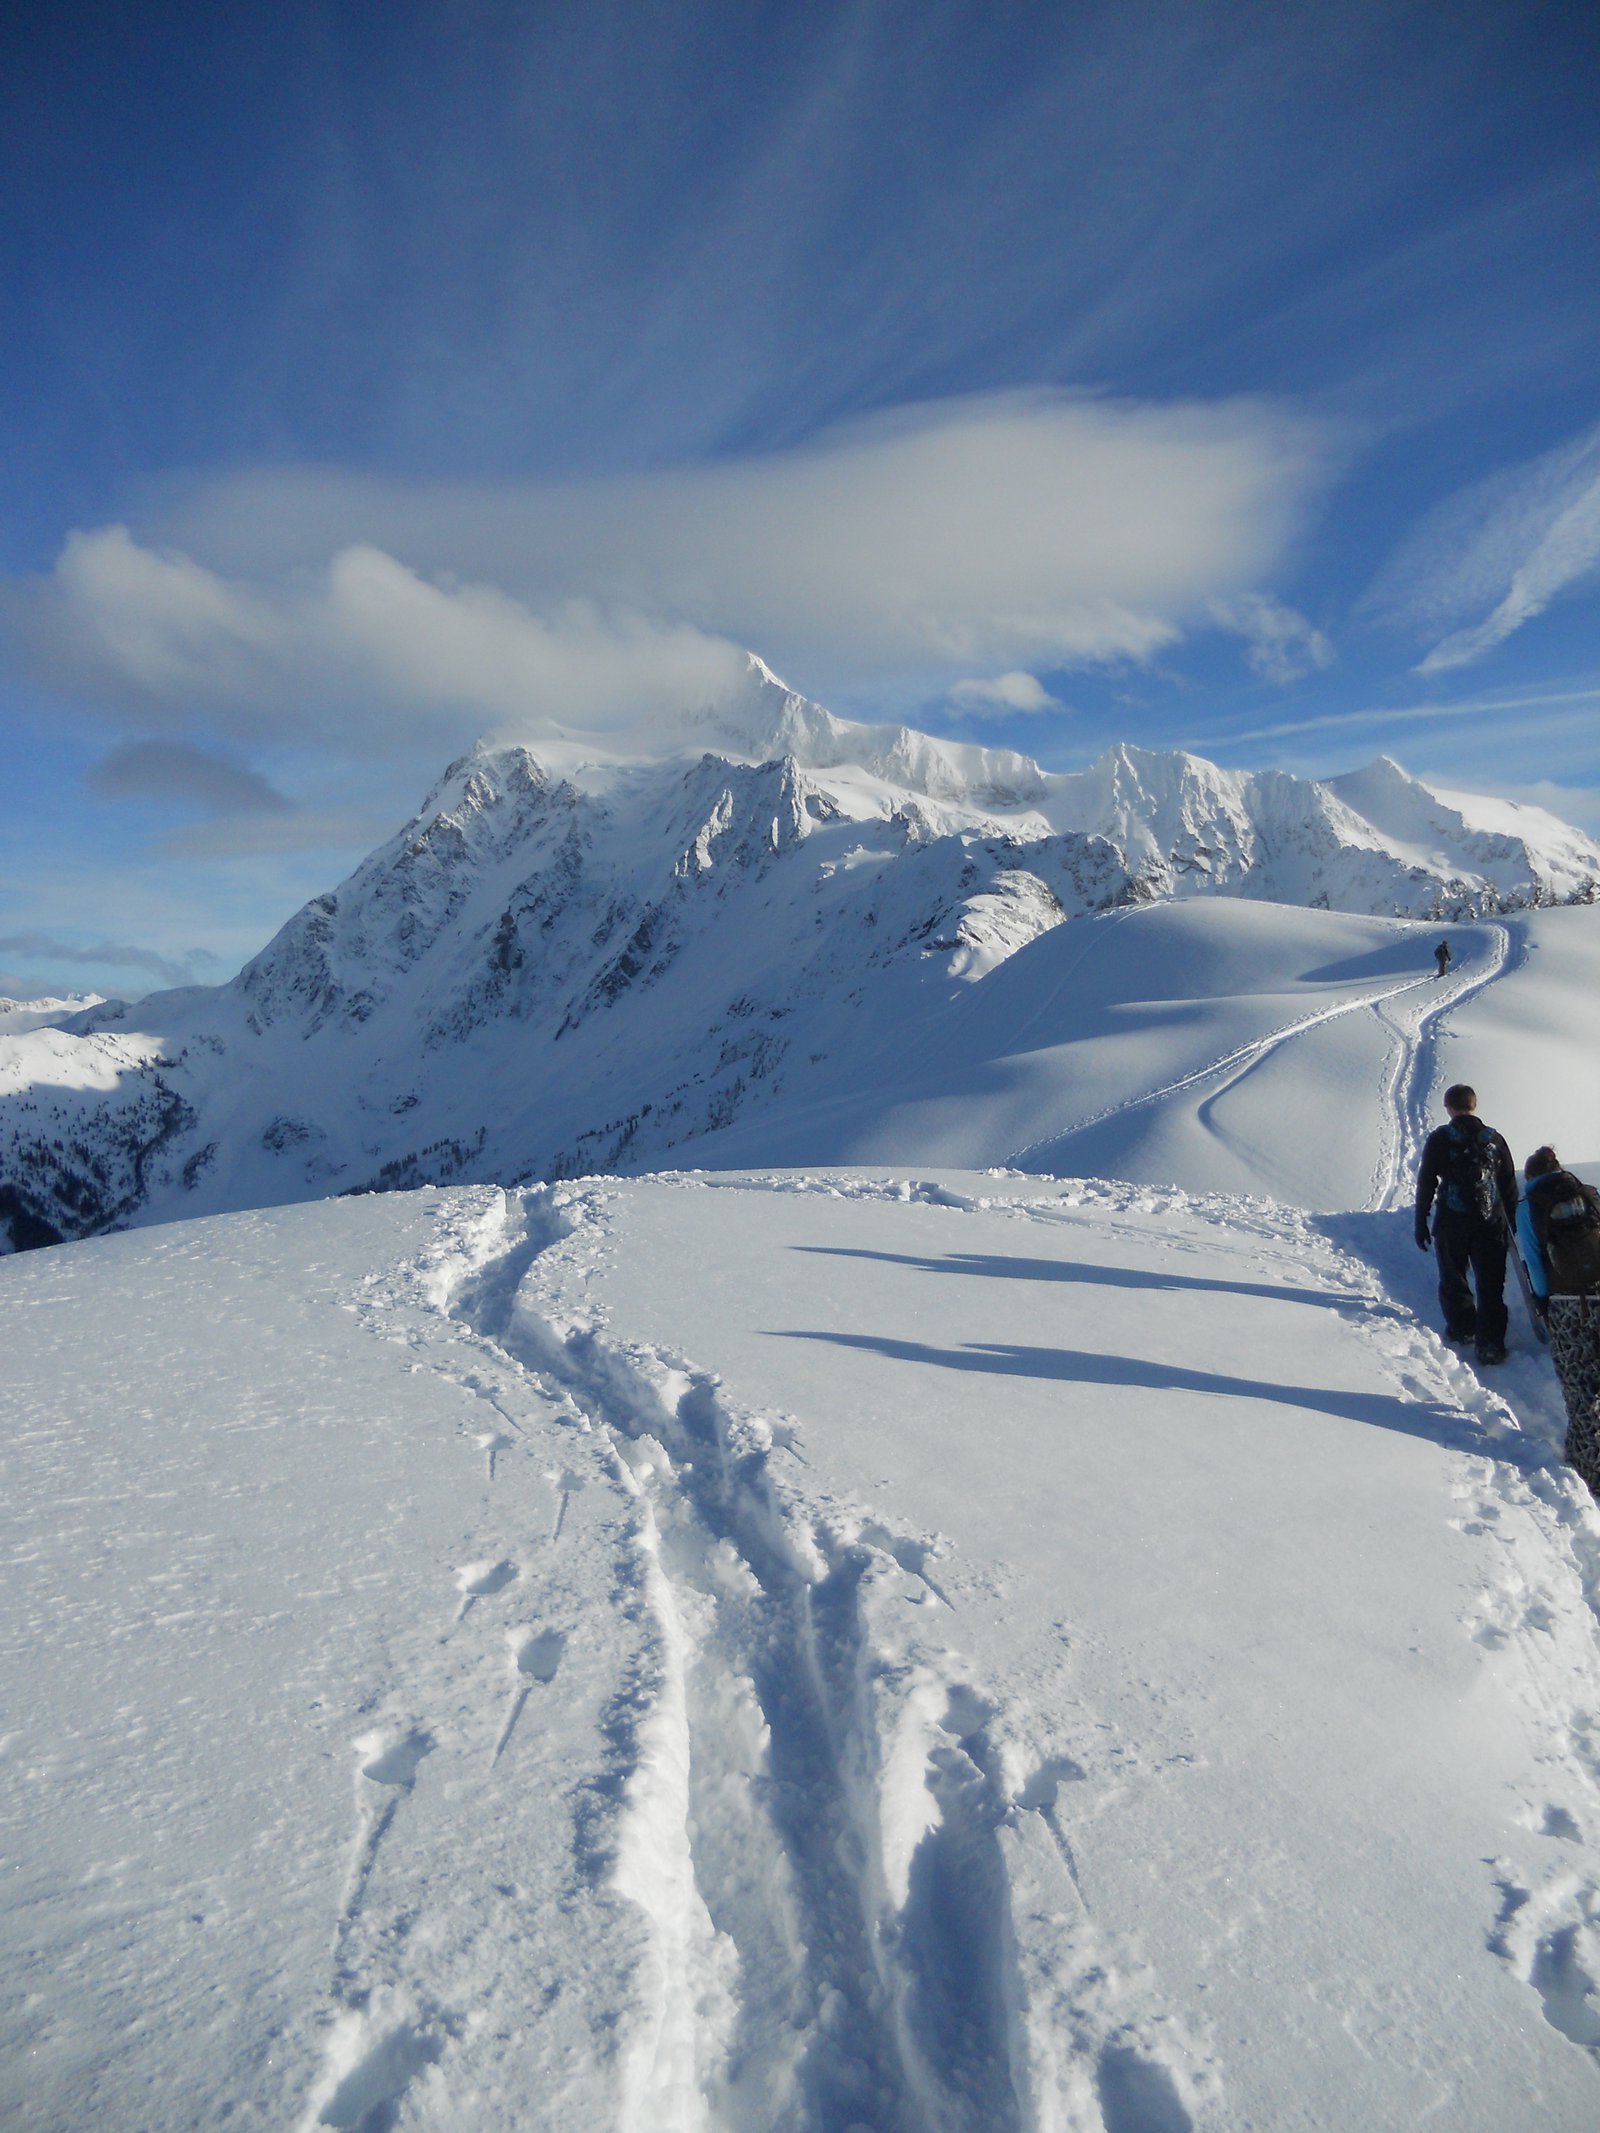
[1007, 532]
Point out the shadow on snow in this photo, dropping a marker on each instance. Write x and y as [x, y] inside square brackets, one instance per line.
[1431, 1421]
[999, 1266]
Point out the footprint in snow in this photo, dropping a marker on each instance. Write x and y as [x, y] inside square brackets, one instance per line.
[492, 1442]
[538, 1658]
[397, 1764]
[391, 1765]
[1551, 1939]
[914, 1557]
[1136, 2094]
[367, 2097]
[568, 1486]
[1038, 1795]
[480, 1581]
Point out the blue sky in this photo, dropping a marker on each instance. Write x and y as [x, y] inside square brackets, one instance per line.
[1208, 376]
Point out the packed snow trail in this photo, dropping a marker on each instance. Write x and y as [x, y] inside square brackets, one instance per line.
[1413, 1086]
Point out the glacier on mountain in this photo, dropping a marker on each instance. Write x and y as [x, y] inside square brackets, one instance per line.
[572, 962]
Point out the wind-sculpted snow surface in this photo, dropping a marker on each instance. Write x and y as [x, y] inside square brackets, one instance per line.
[931, 1654]
[565, 966]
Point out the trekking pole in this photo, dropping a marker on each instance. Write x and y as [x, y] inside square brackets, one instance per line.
[1541, 1331]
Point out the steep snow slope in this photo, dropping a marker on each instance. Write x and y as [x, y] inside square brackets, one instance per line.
[946, 1656]
[572, 965]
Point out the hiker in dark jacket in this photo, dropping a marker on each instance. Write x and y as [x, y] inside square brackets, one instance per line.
[1441, 955]
[1558, 1228]
[1468, 1184]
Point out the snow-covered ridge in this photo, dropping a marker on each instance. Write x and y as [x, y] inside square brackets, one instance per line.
[570, 962]
[940, 1651]
[45, 1011]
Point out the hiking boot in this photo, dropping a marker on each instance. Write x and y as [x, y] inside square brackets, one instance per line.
[1491, 1351]
[1461, 1340]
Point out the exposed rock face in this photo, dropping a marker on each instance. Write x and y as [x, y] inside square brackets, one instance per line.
[563, 966]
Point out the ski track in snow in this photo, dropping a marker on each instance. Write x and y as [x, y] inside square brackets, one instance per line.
[1239, 1060]
[1408, 1081]
[1539, 1526]
[1409, 1086]
[812, 1762]
[857, 1880]
[859, 1899]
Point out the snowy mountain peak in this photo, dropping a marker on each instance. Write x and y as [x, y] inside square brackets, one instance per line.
[569, 961]
[766, 720]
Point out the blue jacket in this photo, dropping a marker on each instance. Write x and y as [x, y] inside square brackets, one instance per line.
[1528, 1237]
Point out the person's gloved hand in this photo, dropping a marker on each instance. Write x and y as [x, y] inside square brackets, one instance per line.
[1423, 1239]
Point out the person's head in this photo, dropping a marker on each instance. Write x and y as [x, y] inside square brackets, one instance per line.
[1541, 1163]
[1460, 1101]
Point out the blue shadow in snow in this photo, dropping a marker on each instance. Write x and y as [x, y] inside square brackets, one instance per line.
[1434, 1423]
[1003, 1268]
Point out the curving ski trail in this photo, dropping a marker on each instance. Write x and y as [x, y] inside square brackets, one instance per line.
[1409, 1075]
[1409, 1084]
[1233, 1064]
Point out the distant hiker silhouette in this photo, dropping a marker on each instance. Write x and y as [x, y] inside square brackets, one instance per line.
[1558, 1228]
[1442, 956]
[1467, 1167]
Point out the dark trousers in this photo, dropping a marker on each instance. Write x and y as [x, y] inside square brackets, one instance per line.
[1464, 1246]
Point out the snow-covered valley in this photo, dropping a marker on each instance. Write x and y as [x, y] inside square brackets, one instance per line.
[982, 1604]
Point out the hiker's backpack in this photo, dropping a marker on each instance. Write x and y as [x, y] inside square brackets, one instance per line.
[1566, 1221]
[1468, 1171]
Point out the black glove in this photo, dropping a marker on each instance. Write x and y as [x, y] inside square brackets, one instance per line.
[1423, 1239]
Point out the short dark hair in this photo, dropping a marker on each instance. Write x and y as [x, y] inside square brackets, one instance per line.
[1541, 1163]
[1458, 1097]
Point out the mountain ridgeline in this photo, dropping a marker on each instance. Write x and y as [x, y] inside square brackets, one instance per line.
[567, 964]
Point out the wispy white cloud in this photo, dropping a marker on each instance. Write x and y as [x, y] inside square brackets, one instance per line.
[1494, 557]
[1007, 530]
[1001, 694]
[386, 617]
[1546, 701]
[1280, 644]
[360, 654]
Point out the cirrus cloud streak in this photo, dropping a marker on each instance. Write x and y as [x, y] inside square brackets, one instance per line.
[1498, 554]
